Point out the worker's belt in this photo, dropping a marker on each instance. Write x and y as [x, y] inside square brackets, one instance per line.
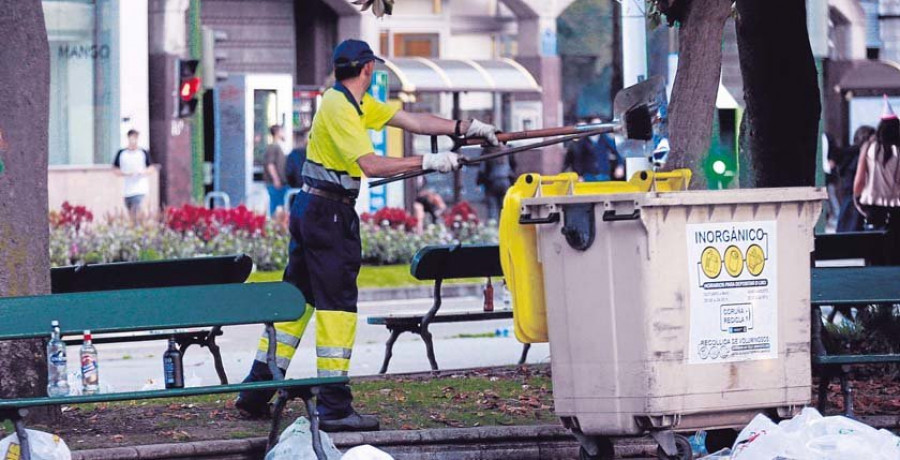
[333, 196]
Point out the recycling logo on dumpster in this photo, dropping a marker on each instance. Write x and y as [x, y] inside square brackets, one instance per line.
[734, 292]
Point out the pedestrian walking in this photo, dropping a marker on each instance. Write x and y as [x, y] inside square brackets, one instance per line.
[877, 183]
[325, 252]
[595, 158]
[293, 168]
[496, 176]
[849, 218]
[832, 179]
[294, 165]
[428, 204]
[274, 169]
[133, 162]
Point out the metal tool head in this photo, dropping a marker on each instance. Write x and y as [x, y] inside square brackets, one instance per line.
[645, 104]
[643, 111]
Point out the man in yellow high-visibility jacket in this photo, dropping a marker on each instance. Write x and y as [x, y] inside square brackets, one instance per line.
[325, 252]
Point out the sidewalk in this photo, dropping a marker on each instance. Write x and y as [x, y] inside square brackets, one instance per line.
[419, 292]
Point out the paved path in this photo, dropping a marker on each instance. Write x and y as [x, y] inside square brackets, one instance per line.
[134, 366]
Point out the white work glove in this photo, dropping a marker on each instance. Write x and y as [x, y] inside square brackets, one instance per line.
[479, 129]
[442, 162]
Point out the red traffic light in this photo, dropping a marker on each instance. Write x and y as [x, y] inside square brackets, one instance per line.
[189, 88]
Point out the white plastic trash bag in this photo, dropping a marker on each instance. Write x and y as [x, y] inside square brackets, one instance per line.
[44, 446]
[295, 443]
[366, 452]
[810, 436]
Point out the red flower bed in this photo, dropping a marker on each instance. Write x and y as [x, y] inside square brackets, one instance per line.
[71, 216]
[206, 223]
[241, 218]
[461, 212]
[394, 217]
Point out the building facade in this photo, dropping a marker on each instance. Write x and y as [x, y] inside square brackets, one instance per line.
[98, 92]
[277, 49]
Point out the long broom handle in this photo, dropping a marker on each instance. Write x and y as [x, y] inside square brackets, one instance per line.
[546, 132]
[490, 156]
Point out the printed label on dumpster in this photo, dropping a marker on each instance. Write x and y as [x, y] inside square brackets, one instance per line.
[734, 291]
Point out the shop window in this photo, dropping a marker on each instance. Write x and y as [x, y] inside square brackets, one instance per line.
[265, 114]
[383, 41]
[416, 45]
[83, 126]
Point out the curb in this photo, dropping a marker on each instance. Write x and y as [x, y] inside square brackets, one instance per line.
[481, 443]
[419, 292]
[522, 443]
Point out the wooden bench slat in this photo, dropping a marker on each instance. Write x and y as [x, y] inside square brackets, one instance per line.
[144, 309]
[155, 274]
[169, 393]
[855, 359]
[441, 318]
[855, 285]
[454, 261]
[851, 245]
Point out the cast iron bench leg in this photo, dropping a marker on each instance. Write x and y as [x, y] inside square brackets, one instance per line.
[280, 401]
[314, 423]
[426, 320]
[209, 342]
[307, 395]
[389, 348]
[824, 381]
[848, 392]
[429, 346]
[270, 353]
[524, 356]
[217, 355]
[19, 423]
[818, 350]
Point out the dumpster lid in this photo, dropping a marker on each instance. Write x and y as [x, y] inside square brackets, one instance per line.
[692, 197]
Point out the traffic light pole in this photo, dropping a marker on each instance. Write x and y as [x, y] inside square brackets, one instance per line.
[170, 136]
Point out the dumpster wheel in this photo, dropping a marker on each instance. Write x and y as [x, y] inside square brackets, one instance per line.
[684, 450]
[605, 450]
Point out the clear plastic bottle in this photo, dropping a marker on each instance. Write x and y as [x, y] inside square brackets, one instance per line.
[57, 377]
[90, 370]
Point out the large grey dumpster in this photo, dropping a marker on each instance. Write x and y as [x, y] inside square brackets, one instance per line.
[676, 311]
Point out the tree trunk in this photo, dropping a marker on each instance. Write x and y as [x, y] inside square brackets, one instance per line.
[781, 89]
[24, 236]
[696, 84]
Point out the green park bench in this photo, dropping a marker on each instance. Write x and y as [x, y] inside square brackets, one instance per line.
[850, 287]
[872, 246]
[198, 271]
[439, 263]
[137, 310]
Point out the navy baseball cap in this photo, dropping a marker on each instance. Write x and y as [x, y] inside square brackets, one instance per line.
[353, 53]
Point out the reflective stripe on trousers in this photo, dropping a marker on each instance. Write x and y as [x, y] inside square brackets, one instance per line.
[335, 334]
[287, 337]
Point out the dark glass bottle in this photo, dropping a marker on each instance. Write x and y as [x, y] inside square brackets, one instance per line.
[173, 370]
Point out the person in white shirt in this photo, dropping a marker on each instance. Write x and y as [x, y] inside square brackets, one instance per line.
[133, 163]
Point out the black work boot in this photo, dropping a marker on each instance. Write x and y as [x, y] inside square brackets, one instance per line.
[352, 422]
[254, 404]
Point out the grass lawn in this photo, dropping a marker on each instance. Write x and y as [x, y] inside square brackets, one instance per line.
[495, 396]
[383, 276]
